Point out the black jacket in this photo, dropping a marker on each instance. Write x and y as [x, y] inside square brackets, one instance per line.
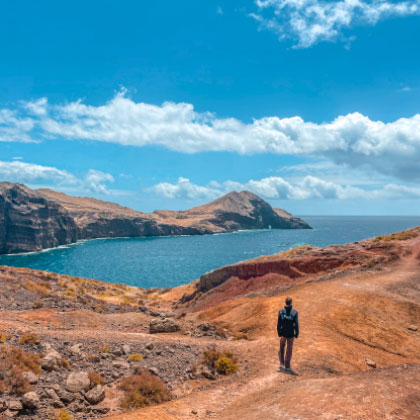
[288, 323]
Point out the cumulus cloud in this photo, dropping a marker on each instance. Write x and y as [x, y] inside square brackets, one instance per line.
[391, 148]
[312, 21]
[17, 171]
[277, 188]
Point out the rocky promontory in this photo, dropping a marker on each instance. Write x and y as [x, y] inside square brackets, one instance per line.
[32, 220]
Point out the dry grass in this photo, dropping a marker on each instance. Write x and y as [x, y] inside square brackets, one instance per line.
[135, 357]
[95, 379]
[29, 339]
[224, 362]
[142, 389]
[13, 363]
[62, 414]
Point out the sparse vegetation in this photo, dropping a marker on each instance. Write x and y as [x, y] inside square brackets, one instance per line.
[224, 362]
[13, 362]
[29, 339]
[142, 389]
[95, 379]
[65, 363]
[62, 414]
[106, 349]
[241, 336]
[135, 357]
[4, 337]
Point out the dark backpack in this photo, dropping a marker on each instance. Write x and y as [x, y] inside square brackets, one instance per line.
[287, 322]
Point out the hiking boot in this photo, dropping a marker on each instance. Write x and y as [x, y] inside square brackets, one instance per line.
[290, 371]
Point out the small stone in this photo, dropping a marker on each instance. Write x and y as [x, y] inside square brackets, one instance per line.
[126, 349]
[30, 400]
[78, 381]
[95, 395]
[14, 405]
[209, 412]
[149, 346]
[208, 375]
[31, 377]
[52, 361]
[371, 363]
[77, 349]
[194, 412]
[154, 371]
[412, 328]
[120, 365]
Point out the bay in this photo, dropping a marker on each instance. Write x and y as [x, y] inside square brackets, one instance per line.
[171, 261]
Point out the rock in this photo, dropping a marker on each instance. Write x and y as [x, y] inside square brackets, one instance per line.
[166, 325]
[52, 361]
[120, 365]
[154, 371]
[77, 349]
[208, 375]
[78, 381]
[31, 377]
[30, 400]
[194, 412]
[126, 349]
[95, 395]
[149, 346]
[412, 328]
[117, 352]
[14, 405]
[56, 403]
[66, 397]
[371, 363]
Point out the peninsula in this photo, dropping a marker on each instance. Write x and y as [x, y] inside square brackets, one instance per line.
[32, 220]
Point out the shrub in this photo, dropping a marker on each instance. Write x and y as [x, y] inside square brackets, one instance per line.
[142, 389]
[95, 379]
[106, 349]
[62, 414]
[13, 362]
[224, 363]
[4, 337]
[30, 339]
[241, 336]
[135, 357]
[65, 363]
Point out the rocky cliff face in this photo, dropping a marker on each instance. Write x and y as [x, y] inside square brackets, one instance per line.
[34, 220]
[30, 222]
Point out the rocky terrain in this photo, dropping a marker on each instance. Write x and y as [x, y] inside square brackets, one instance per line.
[32, 220]
[76, 348]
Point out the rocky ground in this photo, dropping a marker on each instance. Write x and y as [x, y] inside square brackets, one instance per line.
[74, 341]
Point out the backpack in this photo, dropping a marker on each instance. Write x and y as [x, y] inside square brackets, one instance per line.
[287, 321]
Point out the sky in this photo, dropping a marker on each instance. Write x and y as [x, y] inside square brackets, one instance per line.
[313, 105]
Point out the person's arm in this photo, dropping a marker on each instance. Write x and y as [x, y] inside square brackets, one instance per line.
[279, 325]
[296, 326]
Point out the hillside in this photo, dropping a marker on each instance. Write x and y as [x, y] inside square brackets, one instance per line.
[32, 220]
[357, 357]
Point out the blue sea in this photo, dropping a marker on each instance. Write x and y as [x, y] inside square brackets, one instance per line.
[171, 261]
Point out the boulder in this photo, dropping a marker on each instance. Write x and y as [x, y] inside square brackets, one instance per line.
[78, 381]
[165, 325]
[51, 361]
[30, 400]
[95, 395]
[77, 349]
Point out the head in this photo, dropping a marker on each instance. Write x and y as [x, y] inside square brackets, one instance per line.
[288, 301]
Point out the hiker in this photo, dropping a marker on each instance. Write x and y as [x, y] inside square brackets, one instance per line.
[288, 330]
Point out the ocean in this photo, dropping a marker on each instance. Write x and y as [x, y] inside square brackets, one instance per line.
[171, 261]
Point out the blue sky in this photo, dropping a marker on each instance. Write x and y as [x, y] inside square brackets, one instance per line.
[313, 105]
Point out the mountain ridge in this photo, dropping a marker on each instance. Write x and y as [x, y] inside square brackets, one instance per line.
[32, 220]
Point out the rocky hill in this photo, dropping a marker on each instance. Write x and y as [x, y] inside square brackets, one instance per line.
[32, 220]
[73, 348]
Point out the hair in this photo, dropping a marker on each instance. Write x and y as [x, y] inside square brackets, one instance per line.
[288, 300]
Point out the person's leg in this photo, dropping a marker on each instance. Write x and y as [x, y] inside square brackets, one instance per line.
[281, 351]
[289, 352]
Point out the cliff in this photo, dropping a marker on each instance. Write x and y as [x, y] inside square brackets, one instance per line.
[32, 220]
[28, 221]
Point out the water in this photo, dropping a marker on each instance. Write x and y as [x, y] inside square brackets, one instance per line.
[167, 262]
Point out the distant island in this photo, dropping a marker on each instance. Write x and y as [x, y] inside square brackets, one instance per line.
[33, 220]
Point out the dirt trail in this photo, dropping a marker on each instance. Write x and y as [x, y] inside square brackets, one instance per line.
[344, 322]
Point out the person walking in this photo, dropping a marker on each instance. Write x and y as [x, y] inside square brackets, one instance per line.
[288, 330]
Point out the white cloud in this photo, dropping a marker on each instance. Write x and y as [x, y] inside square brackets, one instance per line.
[312, 21]
[17, 171]
[277, 188]
[391, 148]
